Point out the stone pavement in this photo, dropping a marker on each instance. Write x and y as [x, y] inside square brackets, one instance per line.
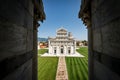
[61, 69]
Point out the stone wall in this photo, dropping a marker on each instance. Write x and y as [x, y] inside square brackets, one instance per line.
[104, 38]
[17, 40]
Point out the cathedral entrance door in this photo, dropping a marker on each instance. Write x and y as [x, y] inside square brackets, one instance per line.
[69, 51]
[61, 50]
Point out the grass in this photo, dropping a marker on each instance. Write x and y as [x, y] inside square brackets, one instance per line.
[78, 67]
[42, 51]
[47, 66]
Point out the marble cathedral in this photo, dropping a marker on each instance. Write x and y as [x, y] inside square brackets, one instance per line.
[62, 44]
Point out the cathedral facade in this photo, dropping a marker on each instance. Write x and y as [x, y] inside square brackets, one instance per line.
[62, 44]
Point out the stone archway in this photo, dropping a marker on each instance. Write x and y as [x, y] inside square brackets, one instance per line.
[18, 52]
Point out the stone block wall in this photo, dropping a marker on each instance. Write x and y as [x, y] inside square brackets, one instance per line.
[102, 18]
[105, 20]
[16, 39]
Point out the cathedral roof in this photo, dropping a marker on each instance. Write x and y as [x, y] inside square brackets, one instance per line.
[62, 35]
[61, 30]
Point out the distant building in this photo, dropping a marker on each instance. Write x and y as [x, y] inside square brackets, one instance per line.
[81, 43]
[62, 44]
[42, 45]
[38, 45]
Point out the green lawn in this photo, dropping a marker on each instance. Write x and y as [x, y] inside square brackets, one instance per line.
[78, 67]
[42, 51]
[47, 67]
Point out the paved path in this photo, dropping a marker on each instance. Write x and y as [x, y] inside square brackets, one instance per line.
[61, 69]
